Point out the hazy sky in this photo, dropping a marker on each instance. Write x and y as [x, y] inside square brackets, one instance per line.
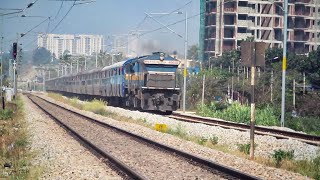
[105, 17]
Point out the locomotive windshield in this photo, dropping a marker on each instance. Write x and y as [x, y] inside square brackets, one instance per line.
[161, 68]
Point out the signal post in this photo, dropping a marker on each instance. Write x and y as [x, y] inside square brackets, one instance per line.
[252, 55]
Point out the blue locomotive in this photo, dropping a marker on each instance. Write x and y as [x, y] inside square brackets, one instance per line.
[146, 82]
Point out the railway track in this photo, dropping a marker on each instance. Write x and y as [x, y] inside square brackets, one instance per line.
[135, 156]
[310, 139]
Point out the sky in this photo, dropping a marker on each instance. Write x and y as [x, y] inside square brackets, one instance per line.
[103, 17]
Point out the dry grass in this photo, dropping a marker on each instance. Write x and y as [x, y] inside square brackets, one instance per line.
[13, 145]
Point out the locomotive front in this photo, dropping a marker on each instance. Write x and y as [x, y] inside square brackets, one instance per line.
[159, 90]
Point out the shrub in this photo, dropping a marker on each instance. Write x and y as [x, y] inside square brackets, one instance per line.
[245, 148]
[178, 131]
[57, 97]
[95, 106]
[309, 125]
[22, 142]
[316, 165]
[266, 116]
[280, 155]
[75, 103]
[235, 112]
[202, 140]
[6, 114]
[214, 140]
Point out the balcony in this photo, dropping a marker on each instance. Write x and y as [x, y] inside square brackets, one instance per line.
[229, 10]
[243, 10]
[301, 38]
[300, 50]
[278, 38]
[302, 1]
[227, 48]
[211, 36]
[245, 23]
[243, 35]
[212, 10]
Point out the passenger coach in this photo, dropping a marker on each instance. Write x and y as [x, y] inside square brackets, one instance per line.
[146, 82]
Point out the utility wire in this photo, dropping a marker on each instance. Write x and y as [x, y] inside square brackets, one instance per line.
[183, 20]
[144, 19]
[36, 26]
[64, 16]
[59, 10]
[176, 9]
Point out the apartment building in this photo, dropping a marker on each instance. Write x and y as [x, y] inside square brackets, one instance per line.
[76, 44]
[225, 23]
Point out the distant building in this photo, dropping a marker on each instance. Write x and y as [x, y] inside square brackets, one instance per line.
[76, 44]
[224, 24]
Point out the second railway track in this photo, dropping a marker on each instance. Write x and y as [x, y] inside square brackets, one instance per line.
[310, 139]
[136, 156]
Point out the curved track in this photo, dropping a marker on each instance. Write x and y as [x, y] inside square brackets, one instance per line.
[136, 156]
[310, 139]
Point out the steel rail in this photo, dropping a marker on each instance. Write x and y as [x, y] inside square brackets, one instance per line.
[205, 162]
[307, 138]
[97, 151]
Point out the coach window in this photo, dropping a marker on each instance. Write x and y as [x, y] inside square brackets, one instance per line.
[136, 67]
[131, 70]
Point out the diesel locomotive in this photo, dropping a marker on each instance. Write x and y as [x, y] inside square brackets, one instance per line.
[146, 82]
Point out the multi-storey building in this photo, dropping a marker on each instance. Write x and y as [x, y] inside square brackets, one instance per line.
[225, 23]
[81, 44]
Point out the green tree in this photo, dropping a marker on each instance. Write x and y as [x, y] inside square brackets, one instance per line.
[41, 56]
[193, 52]
[273, 55]
[312, 66]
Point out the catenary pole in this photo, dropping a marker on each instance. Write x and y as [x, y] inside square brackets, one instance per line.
[284, 62]
[203, 85]
[185, 64]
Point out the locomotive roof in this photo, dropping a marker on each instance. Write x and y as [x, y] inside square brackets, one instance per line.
[118, 64]
[154, 56]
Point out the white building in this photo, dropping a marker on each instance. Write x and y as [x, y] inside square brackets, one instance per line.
[75, 44]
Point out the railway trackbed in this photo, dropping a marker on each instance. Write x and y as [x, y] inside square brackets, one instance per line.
[310, 139]
[134, 156]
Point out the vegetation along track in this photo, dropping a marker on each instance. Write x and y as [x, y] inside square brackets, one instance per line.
[310, 139]
[138, 157]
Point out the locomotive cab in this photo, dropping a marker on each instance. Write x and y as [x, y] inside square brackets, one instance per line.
[151, 82]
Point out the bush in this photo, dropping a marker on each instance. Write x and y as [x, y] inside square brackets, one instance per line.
[214, 140]
[235, 112]
[316, 165]
[6, 114]
[22, 142]
[266, 116]
[202, 140]
[75, 103]
[306, 124]
[245, 148]
[178, 131]
[280, 155]
[95, 106]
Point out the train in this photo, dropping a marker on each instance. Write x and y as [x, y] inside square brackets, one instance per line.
[146, 82]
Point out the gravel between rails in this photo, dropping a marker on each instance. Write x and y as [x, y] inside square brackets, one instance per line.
[145, 159]
[57, 153]
[225, 137]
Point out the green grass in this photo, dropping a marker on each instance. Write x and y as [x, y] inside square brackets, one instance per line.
[6, 114]
[280, 155]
